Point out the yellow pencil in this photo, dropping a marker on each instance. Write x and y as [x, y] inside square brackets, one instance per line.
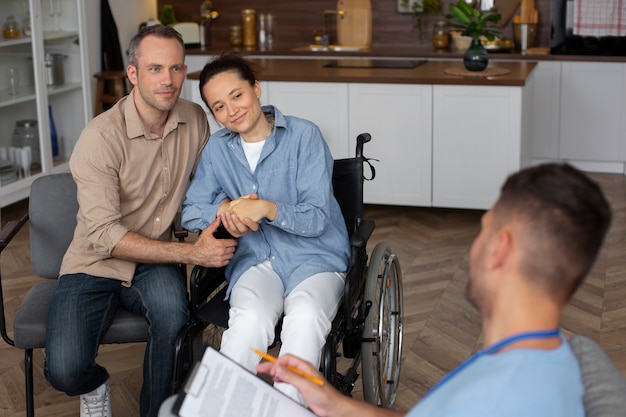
[270, 358]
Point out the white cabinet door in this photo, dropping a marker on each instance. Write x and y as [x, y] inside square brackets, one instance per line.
[546, 115]
[325, 104]
[67, 91]
[593, 111]
[477, 142]
[399, 118]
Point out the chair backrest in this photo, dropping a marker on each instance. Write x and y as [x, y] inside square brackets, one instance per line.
[605, 386]
[348, 185]
[52, 212]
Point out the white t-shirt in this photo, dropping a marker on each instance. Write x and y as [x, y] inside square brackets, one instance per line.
[253, 152]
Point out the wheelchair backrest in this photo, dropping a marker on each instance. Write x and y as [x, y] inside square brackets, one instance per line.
[348, 184]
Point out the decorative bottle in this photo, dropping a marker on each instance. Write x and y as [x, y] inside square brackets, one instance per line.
[248, 17]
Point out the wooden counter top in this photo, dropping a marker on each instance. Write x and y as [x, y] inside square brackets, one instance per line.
[399, 52]
[430, 72]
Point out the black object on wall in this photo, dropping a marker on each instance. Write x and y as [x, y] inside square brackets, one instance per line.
[111, 58]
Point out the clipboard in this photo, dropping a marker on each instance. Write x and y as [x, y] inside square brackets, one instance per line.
[220, 387]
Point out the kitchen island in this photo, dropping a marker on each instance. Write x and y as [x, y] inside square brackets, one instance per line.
[442, 140]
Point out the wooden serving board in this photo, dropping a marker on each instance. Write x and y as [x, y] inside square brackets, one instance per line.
[355, 28]
[506, 8]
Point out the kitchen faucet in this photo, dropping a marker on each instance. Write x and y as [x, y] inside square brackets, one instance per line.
[340, 15]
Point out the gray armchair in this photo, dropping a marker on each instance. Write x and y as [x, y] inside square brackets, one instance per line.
[605, 385]
[52, 219]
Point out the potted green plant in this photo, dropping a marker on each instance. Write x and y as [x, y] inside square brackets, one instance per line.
[477, 25]
[419, 9]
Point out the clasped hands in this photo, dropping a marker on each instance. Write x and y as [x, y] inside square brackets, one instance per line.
[244, 214]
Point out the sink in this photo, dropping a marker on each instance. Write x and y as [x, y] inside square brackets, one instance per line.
[330, 48]
[375, 63]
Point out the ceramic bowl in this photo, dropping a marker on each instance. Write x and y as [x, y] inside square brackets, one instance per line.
[460, 43]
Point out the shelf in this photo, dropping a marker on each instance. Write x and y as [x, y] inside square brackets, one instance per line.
[59, 35]
[26, 93]
[58, 89]
[17, 41]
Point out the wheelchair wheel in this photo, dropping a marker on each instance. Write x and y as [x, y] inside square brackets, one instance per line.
[381, 346]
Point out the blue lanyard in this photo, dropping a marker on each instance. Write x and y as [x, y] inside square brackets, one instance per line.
[543, 334]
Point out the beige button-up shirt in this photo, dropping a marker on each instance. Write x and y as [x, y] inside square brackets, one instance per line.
[130, 180]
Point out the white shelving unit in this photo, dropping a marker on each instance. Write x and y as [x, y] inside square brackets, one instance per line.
[62, 33]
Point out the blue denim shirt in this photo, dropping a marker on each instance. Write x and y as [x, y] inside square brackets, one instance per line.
[294, 170]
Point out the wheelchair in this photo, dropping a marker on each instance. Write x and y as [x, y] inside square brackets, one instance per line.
[367, 330]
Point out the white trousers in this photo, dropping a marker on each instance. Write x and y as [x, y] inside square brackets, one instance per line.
[256, 305]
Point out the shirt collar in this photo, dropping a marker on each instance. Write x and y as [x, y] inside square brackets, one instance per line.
[134, 126]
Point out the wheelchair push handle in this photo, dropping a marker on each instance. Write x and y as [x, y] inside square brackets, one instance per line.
[362, 139]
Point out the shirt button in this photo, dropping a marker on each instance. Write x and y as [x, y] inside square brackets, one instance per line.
[283, 223]
[158, 219]
[254, 187]
[165, 168]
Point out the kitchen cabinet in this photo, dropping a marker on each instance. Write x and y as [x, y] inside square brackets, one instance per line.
[438, 144]
[57, 27]
[593, 109]
[480, 136]
[325, 104]
[399, 118]
[546, 104]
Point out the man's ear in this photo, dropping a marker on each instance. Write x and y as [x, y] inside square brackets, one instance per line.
[502, 248]
[131, 73]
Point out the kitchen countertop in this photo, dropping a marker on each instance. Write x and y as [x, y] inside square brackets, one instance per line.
[430, 72]
[427, 52]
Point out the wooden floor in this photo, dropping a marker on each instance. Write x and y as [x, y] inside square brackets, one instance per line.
[440, 327]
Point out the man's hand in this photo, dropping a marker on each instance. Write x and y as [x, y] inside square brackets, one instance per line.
[238, 227]
[211, 252]
[324, 400]
[320, 399]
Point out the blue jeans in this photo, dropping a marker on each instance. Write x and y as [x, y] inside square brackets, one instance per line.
[81, 311]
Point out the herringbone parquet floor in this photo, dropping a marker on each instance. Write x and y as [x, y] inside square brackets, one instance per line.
[441, 328]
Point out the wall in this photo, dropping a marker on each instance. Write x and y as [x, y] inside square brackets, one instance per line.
[297, 22]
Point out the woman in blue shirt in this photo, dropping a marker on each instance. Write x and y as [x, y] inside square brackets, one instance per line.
[275, 171]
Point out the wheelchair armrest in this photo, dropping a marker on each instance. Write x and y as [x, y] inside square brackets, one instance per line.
[203, 283]
[9, 231]
[362, 234]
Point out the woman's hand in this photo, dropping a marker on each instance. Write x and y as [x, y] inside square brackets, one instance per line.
[249, 206]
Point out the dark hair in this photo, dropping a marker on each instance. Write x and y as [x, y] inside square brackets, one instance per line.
[161, 31]
[564, 217]
[228, 61]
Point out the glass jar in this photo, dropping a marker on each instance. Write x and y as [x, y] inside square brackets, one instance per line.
[26, 26]
[441, 38]
[248, 17]
[10, 29]
[235, 35]
[27, 134]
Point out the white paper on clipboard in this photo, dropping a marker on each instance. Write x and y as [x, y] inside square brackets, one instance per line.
[220, 387]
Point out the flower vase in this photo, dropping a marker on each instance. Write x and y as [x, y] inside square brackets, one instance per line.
[476, 58]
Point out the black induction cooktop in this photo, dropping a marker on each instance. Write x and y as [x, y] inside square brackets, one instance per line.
[374, 63]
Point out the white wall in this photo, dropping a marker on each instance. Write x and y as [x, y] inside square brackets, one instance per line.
[128, 14]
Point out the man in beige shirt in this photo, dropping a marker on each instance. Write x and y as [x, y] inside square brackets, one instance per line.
[132, 166]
